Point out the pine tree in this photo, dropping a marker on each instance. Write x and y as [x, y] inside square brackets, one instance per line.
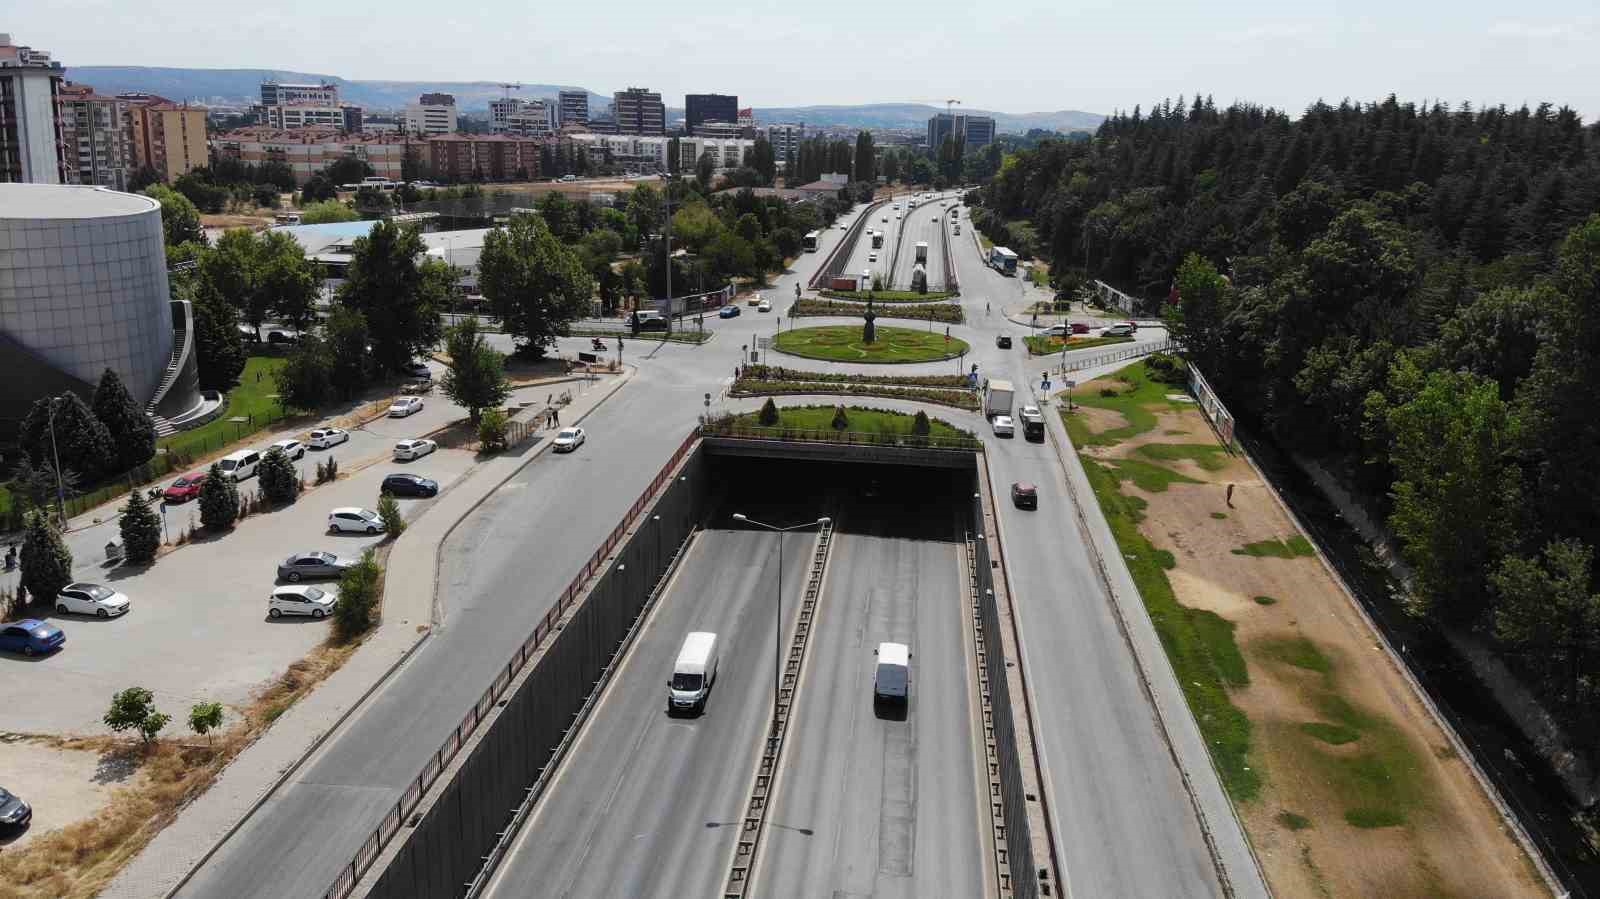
[46, 561]
[219, 500]
[279, 481]
[769, 414]
[65, 427]
[133, 434]
[841, 421]
[141, 529]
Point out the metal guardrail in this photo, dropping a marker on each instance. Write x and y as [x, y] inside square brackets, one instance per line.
[991, 749]
[436, 764]
[754, 822]
[835, 261]
[851, 438]
[1078, 363]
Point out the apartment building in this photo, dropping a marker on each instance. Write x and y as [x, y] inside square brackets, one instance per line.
[785, 139]
[308, 151]
[699, 109]
[649, 152]
[432, 114]
[166, 136]
[491, 157]
[95, 137]
[974, 131]
[274, 93]
[30, 117]
[574, 107]
[639, 111]
[292, 107]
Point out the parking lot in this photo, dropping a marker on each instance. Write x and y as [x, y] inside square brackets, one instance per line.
[198, 629]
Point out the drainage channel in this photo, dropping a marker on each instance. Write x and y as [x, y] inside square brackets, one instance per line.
[754, 822]
[991, 749]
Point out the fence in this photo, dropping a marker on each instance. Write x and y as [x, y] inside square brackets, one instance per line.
[1019, 844]
[1079, 363]
[1221, 419]
[445, 850]
[951, 283]
[729, 429]
[1109, 296]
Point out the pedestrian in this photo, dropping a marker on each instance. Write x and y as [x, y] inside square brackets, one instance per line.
[555, 414]
[1230, 496]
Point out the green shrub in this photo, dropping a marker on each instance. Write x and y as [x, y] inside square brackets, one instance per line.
[135, 709]
[492, 430]
[769, 414]
[393, 523]
[358, 595]
[841, 421]
[920, 426]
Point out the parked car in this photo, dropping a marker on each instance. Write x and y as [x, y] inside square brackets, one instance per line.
[185, 488]
[754, 301]
[316, 602]
[322, 438]
[1024, 495]
[313, 564]
[729, 312]
[569, 439]
[92, 599]
[409, 485]
[872, 257]
[1080, 327]
[406, 450]
[1003, 341]
[406, 405]
[240, 465]
[31, 637]
[766, 306]
[14, 813]
[294, 449]
[1130, 323]
[1003, 426]
[418, 370]
[351, 519]
[1118, 330]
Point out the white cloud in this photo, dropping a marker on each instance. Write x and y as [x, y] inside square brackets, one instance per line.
[1535, 31]
[1272, 31]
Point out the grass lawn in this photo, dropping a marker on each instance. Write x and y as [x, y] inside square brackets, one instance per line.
[1135, 391]
[1147, 476]
[1043, 345]
[1209, 456]
[889, 296]
[1277, 549]
[862, 421]
[842, 343]
[251, 400]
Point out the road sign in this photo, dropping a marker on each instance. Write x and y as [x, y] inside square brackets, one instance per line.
[763, 342]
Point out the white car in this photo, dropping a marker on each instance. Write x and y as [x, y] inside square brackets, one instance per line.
[353, 520]
[884, 219]
[1032, 413]
[406, 405]
[569, 439]
[406, 450]
[303, 599]
[1003, 426]
[294, 449]
[872, 257]
[92, 599]
[897, 216]
[322, 438]
[1122, 330]
[766, 306]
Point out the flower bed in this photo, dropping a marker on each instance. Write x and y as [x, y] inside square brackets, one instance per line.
[945, 313]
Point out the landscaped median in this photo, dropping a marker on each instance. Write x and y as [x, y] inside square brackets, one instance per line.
[1044, 345]
[946, 313]
[677, 335]
[768, 380]
[1344, 782]
[889, 296]
[843, 424]
[843, 343]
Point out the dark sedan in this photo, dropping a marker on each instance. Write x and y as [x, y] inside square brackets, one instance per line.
[1024, 495]
[14, 813]
[409, 485]
[314, 564]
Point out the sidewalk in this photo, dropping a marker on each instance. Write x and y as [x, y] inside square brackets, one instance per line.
[409, 613]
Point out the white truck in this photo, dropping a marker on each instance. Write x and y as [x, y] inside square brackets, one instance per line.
[693, 673]
[891, 682]
[922, 252]
[997, 398]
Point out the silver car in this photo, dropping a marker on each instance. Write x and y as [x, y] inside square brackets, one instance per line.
[314, 564]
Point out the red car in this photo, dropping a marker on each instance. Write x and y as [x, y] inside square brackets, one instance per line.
[185, 488]
[1080, 328]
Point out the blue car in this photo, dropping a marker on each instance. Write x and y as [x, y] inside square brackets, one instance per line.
[31, 637]
[728, 312]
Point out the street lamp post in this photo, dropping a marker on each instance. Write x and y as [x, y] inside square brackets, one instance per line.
[55, 454]
[777, 629]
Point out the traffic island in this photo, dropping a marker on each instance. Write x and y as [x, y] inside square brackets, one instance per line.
[844, 343]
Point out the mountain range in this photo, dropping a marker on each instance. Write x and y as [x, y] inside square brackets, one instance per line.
[244, 86]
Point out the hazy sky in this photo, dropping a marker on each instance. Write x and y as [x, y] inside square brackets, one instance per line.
[1023, 56]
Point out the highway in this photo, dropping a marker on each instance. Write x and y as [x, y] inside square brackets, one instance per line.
[924, 224]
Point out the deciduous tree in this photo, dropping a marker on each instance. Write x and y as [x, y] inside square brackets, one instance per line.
[535, 285]
[400, 298]
[476, 379]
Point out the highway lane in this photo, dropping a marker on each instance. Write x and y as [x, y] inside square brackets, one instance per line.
[646, 804]
[874, 804]
[923, 224]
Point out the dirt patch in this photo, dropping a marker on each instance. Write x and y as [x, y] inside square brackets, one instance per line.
[1356, 800]
[63, 785]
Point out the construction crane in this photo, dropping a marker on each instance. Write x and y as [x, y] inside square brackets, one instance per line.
[509, 88]
[948, 104]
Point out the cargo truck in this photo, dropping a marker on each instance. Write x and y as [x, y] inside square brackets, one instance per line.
[922, 252]
[997, 397]
[877, 240]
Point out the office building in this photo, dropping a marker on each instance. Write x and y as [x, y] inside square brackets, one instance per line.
[973, 131]
[785, 139]
[718, 129]
[534, 118]
[431, 114]
[701, 108]
[290, 107]
[30, 117]
[639, 111]
[574, 108]
[274, 93]
[95, 137]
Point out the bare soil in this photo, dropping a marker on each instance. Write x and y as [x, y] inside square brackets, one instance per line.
[1451, 840]
[63, 785]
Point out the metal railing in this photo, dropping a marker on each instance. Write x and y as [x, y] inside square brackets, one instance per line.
[851, 438]
[396, 815]
[1078, 363]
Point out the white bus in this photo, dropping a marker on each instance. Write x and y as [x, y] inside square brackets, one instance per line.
[811, 241]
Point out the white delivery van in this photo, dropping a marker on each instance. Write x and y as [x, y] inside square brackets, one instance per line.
[240, 465]
[693, 673]
[892, 682]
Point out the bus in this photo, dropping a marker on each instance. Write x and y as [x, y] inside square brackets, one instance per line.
[1003, 261]
[811, 241]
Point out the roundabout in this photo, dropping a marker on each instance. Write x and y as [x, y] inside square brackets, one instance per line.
[844, 343]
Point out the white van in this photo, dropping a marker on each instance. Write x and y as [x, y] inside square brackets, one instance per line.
[240, 465]
[892, 681]
[693, 673]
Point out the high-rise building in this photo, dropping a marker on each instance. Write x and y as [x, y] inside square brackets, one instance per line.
[166, 136]
[574, 108]
[785, 139]
[292, 106]
[701, 108]
[30, 117]
[639, 111]
[274, 93]
[432, 114]
[974, 131]
[95, 132]
[501, 110]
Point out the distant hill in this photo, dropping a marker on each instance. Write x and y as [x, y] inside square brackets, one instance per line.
[916, 115]
[245, 84]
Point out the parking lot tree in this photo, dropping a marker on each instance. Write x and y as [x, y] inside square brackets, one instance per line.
[534, 284]
[219, 501]
[400, 298]
[347, 338]
[133, 434]
[205, 717]
[323, 212]
[141, 529]
[180, 220]
[358, 594]
[135, 709]
[476, 378]
[65, 428]
[394, 524]
[492, 430]
[46, 561]
[305, 381]
[279, 481]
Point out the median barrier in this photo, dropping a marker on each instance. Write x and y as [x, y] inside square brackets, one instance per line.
[840, 254]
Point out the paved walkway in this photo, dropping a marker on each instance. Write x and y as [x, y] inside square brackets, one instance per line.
[408, 616]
